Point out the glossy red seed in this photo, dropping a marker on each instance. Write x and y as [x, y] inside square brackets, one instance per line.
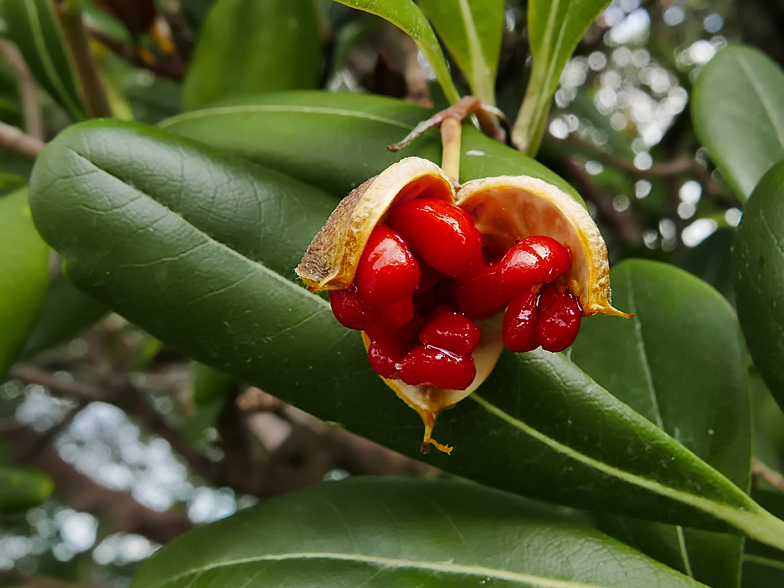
[351, 311]
[448, 329]
[534, 260]
[398, 313]
[406, 334]
[547, 295]
[520, 321]
[559, 323]
[429, 279]
[385, 355]
[387, 270]
[441, 234]
[434, 366]
[477, 297]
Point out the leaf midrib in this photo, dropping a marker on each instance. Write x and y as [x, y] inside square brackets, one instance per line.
[392, 563]
[251, 262]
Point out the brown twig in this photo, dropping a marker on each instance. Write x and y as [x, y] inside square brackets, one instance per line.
[676, 167]
[172, 68]
[93, 91]
[623, 222]
[33, 122]
[772, 477]
[125, 396]
[13, 139]
[83, 494]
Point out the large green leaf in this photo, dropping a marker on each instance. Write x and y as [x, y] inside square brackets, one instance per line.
[297, 126]
[759, 267]
[247, 47]
[33, 26]
[763, 567]
[22, 487]
[471, 30]
[679, 362]
[199, 250]
[407, 16]
[554, 29]
[24, 273]
[397, 532]
[66, 312]
[738, 113]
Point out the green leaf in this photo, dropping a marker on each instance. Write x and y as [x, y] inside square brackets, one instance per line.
[296, 126]
[679, 362]
[738, 113]
[554, 29]
[24, 273]
[759, 266]
[763, 567]
[711, 261]
[407, 16]
[210, 389]
[33, 27]
[22, 487]
[471, 30]
[199, 250]
[399, 532]
[66, 312]
[247, 47]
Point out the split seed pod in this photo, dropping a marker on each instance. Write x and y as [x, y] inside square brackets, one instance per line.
[505, 209]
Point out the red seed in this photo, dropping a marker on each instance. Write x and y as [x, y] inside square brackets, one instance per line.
[520, 320]
[398, 313]
[384, 355]
[450, 330]
[429, 279]
[534, 260]
[434, 366]
[387, 270]
[441, 234]
[351, 311]
[405, 334]
[477, 297]
[547, 295]
[559, 322]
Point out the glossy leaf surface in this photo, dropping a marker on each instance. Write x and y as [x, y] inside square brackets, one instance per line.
[400, 532]
[32, 25]
[407, 16]
[211, 273]
[22, 487]
[759, 267]
[66, 312]
[679, 362]
[357, 128]
[471, 31]
[24, 273]
[555, 27]
[763, 567]
[738, 113]
[247, 47]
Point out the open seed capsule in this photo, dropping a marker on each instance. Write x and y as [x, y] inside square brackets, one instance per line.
[501, 211]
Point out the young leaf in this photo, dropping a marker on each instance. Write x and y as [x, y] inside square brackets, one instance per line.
[66, 312]
[679, 362]
[471, 30]
[738, 113]
[407, 16]
[357, 128]
[188, 245]
[395, 532]
[33, 26]
[759, 265]
[24, 273]
[22, 487]
[554, 28]
[248, 47]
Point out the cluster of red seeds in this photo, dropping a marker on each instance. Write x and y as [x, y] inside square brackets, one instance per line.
[424, 276]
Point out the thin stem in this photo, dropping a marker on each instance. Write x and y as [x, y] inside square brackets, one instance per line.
[29, 94]
[13, 139]
[772, 477]
[451, 131]
[70, 18]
